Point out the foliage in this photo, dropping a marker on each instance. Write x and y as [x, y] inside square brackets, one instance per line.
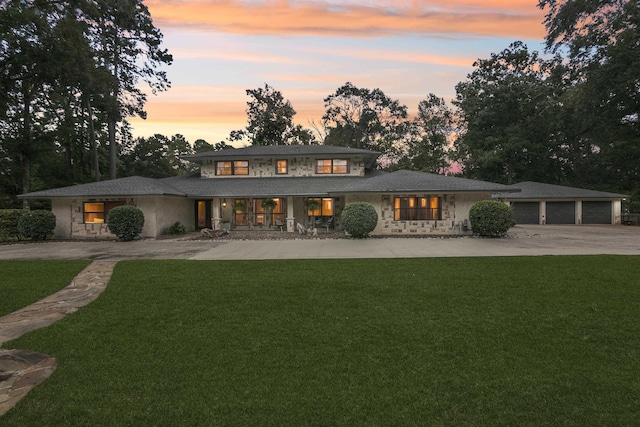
[157, 157]
[481, 341]
[490, 218]
[269, 204]
[9, 219]
[177, 228]
[359, 219]
[24, 282]
[37, 224]
[126, 222]
[363, 118]
[507, 104]
[270, 120]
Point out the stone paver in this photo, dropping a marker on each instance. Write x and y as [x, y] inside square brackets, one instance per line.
[21, 370]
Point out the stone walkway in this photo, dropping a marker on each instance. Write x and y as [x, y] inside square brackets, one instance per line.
[21, 370]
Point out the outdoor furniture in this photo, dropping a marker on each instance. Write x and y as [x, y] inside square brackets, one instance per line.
[325, 223]
[280, 225]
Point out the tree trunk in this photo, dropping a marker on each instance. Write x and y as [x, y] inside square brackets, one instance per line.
[94, 145]
[113, 148]
[26, 144]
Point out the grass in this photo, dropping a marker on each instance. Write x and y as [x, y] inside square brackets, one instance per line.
[475, 341]
[25, 282]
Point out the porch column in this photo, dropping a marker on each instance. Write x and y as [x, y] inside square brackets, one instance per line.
[215, 214]
[291, 221]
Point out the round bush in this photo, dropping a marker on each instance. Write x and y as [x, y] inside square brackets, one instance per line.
[359, 219]
[126, 222]
[9, 219]
[37, 224]
[177, 228]
[490, 218]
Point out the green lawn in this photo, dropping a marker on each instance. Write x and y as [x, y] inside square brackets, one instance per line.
[25, 282]
[464, 341]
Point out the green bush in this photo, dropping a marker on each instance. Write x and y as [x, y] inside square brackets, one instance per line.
[37, 224]
[359, 219]
[125, 222]
[177, 228]
[9, 224]
[490, 218]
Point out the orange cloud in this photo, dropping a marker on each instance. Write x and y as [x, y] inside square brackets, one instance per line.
[505, 18]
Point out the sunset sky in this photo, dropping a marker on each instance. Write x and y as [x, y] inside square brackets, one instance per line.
[307, 49]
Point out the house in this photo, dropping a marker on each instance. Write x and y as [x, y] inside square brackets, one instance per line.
[274, 187]
[538, 203]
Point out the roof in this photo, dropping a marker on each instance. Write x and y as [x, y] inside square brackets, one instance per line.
[412, 181]
[130, 186]
[285, 151]
[539, 190]
[193, 186]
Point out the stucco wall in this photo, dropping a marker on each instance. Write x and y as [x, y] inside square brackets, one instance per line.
[299, 166]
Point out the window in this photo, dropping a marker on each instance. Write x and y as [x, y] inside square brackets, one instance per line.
[97, 212]
[238, 167]
[417, 208]
[330, 166]
[282, 167]
[318, 206]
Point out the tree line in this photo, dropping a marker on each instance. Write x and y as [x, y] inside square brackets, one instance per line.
[569, 116]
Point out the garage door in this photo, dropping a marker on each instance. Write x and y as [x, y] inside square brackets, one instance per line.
[596, 212]
[526, 212]
[561, 213]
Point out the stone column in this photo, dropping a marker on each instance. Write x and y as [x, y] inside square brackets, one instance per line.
[291, 221]
[215, 214]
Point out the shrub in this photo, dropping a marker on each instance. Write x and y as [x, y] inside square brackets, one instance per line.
[359, 219]
[126, 222]
[490, 218]
[37, 224]
[9, 223]
[177, 228]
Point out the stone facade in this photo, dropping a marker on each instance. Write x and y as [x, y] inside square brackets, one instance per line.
[297, 167]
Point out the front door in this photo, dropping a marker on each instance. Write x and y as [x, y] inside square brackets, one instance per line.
[203, 214]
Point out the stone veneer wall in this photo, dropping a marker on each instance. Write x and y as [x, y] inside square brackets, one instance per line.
[299, 166]
[78, 229]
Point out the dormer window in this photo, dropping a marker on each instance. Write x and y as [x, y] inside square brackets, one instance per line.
[282, 167]
[332, 166]
[237, 167]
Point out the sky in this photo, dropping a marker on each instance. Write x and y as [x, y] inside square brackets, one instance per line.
[307, 49]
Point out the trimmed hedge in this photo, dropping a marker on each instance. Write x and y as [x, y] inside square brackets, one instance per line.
[125, 222]
[37, 224]
[9, 224]
[359, 219]
[490, 218]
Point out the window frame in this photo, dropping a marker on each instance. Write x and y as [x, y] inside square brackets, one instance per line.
[417, 208]
[332, 168]
[286, 167]
[233, 167]
[106, 208]
[322, 204]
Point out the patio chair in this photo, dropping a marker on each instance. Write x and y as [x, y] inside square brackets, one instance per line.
[280, 225]
[327, 224]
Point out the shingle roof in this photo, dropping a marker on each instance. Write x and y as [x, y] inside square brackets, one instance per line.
[285, 151]
[122, 187]
[539, 190]
[412, 181]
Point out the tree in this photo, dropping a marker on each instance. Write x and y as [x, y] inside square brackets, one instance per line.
[363, 118]
[603, 43]
[428, 137]
[270, 120]
[507, 104]
[157, 157]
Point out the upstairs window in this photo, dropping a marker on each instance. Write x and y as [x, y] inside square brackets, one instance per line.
[238, 167]
[97, 212]
[282, 168]
[332, 166]
[417, 208]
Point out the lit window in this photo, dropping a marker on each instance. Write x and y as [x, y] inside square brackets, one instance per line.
[282, 167]
[98, 212]
[331, 166]
[238, 167]
[417, 208]
[319, 206]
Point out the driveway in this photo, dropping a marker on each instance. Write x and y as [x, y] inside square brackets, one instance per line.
[522, 240]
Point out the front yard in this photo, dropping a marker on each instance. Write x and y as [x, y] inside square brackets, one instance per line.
[457, 341]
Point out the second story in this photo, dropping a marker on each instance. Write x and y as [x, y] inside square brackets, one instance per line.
[284, 161]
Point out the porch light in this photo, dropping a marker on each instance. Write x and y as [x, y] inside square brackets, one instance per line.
[224, 203]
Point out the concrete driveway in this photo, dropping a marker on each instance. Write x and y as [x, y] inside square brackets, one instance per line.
[523, 240]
